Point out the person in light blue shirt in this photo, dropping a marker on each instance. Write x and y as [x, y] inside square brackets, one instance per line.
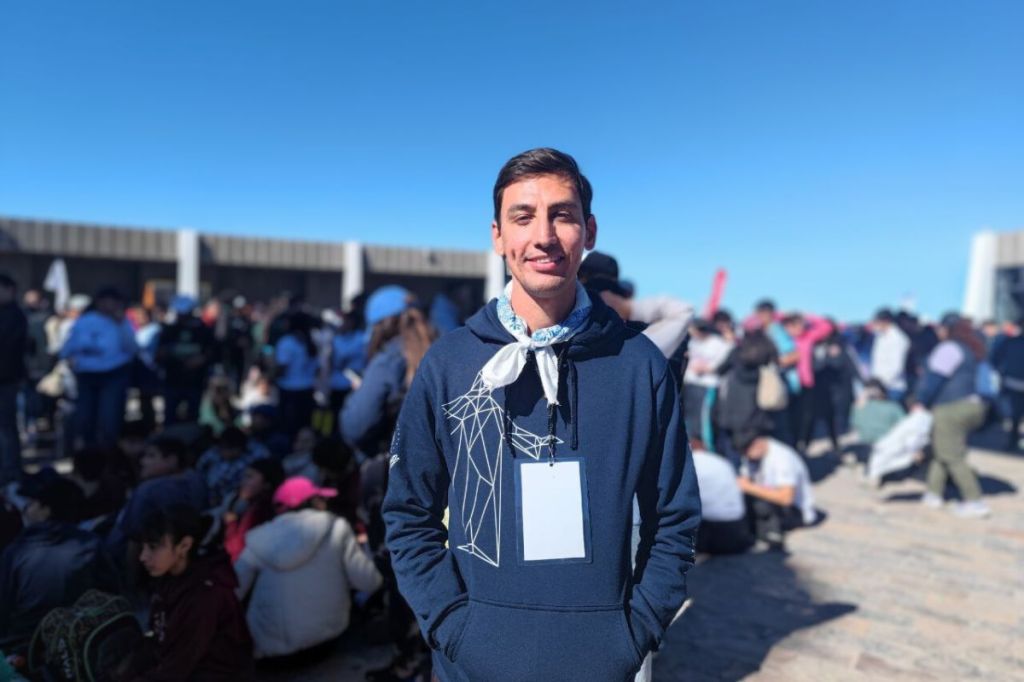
[100, 349]
[298, 365]
[348, 360]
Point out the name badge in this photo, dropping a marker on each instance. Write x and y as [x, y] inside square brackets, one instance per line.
[553, 511]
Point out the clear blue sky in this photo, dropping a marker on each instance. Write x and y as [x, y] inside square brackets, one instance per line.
[833, 155]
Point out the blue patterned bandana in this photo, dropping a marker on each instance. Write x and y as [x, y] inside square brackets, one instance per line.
[507, 364]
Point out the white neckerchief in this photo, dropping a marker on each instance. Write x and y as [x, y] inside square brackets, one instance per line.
[507, 364]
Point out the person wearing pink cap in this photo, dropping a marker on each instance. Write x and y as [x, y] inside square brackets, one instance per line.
[304, 545]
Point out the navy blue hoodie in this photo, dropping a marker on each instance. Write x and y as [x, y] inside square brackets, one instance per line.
[490, 616]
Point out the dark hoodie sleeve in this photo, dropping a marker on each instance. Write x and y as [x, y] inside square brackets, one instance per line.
[413, 509]
[670, 514]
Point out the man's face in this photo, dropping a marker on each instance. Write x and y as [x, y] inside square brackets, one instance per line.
[153, 464]
[542, 235]
[161, 558]
[305, 440]
[794, 329]
[757, 449]
[35, 512]
[765, 316]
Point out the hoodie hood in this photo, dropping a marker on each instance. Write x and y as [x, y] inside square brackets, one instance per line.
[290, 540]
[603, 332]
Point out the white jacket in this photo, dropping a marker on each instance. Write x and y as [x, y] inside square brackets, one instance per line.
[889, 357]
[300, 567]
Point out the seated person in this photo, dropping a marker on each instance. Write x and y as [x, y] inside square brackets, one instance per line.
[50, 563]
[875, 414]
[222, 465]
[304, 546]
[338, 470]
[777, 486]
[216, 409]
[198, 626]
[251, 505]
[723, 528]
[165, 479]
[264, 429]
[104, 490]
[300, 461]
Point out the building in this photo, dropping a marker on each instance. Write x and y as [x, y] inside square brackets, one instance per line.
[995, 277]
[326, 274]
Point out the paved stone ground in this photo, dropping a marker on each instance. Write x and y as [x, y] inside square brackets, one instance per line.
[884, 589]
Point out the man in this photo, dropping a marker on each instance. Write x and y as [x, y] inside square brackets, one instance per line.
[184, 352]
[767, 319]
[1008, 361]
[51, 563]
[13, 340]
[777, 486]
[535, 425]
[889, 354]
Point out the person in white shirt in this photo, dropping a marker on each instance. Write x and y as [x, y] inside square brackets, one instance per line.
[889, 354]
[777, 486]
[707, 352]
[724, 528]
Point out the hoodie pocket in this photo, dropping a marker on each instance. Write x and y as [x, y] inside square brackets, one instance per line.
[511, 644]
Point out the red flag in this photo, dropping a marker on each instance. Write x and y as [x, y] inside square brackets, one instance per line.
[717, 289]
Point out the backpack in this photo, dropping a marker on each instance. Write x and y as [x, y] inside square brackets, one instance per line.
[84, 642]
[771, 392]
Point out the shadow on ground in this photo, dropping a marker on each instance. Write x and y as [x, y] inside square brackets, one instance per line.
[990, 485]
[742, 607]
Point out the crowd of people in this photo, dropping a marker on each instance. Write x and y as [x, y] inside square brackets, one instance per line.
[224, 465]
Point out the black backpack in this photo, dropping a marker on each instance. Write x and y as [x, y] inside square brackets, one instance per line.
[84, 642]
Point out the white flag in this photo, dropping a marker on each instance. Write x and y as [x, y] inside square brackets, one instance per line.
[57, 282]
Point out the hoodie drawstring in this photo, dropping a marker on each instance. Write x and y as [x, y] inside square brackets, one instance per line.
[572, 387]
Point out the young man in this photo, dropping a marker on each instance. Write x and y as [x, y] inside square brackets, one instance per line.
[535, 425]
[51, 563]
[198, 626]
[777, 486]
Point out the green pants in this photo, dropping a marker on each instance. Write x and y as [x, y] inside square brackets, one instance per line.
[952, 423]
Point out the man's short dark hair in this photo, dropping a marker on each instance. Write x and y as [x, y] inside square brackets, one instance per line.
[542, 161]
[765, 305]
[884, 315]
[172, 447]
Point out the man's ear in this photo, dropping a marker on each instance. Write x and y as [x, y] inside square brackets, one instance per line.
[590, 233]
[185, 545]
[499, 248]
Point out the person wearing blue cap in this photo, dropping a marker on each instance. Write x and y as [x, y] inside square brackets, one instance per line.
[184, 353]
[399, 338]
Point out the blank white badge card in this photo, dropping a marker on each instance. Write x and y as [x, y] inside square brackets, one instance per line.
[551, 510]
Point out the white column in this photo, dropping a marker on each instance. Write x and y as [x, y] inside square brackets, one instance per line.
[495, 282]
[188, 262]
[980, 291]
[352, 279]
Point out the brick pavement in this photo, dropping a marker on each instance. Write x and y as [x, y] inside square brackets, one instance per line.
[884, 589]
